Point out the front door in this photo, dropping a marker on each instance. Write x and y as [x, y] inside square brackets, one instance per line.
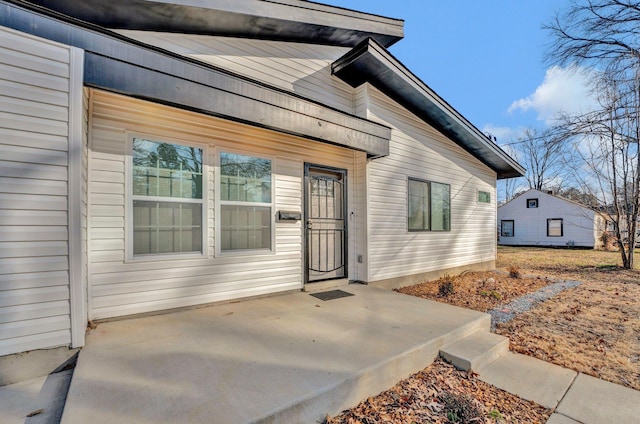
[326, 227]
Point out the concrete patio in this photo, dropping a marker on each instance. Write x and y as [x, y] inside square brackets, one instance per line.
[291, 358]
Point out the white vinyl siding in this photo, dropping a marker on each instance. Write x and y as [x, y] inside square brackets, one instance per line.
[118, 286]
[419, 151]
[304, 69]
[36, 87]
[554, 222]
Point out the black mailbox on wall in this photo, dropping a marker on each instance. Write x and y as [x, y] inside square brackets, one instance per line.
[289, 216]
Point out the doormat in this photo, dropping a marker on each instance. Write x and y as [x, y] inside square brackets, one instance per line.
[331, 294]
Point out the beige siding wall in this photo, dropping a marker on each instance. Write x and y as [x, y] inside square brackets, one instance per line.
[34, 142]
[304, 69]
[119, 285]
[419, 151]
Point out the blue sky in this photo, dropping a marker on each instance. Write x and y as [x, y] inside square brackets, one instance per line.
[486, 58]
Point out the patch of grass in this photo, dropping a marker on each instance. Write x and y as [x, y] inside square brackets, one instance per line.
[491, 293]
[606, 266]
[496, 415]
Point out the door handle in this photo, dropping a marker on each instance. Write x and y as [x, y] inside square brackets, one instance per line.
[309, 224]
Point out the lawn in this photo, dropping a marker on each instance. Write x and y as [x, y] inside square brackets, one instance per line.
[593, 328]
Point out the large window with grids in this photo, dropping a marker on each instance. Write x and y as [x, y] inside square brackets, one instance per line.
[167, 198]
[428, 206]
[245, 192]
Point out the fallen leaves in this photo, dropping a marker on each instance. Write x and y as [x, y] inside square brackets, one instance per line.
[437, 394]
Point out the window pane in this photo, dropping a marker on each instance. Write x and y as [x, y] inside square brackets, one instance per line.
[554, 227]
[245, 227]
[245, 178]
[166, 227]
[506, 229]
[484, 197]
[418, 208]
[440, 208]
[166, 170]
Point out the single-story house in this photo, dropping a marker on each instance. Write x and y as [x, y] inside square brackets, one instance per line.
[537, 218]
[164, 154]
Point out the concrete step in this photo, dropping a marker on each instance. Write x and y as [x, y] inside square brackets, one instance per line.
[476, 350]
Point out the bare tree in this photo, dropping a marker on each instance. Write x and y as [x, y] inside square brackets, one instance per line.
[510, 186]
[542, 153]
[605, 35]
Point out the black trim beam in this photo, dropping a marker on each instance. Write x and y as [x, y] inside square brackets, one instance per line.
[121, 65]
[281, 20]
[370, 62]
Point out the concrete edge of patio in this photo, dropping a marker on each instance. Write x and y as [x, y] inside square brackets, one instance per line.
[369, 381]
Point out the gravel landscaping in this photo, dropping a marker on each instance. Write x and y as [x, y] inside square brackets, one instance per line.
[507, 312]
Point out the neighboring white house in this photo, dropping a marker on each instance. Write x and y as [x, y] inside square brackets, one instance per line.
[536, 218]
[157, 155]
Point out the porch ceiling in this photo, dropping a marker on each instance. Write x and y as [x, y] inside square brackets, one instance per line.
[119, 64]
[371, 62]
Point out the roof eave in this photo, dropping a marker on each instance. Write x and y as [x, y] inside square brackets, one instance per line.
[279, 20]
[371, 62]
[121, 65]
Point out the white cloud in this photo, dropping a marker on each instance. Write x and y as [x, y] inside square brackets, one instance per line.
[564, 90]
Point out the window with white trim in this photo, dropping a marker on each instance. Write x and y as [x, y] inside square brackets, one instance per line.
[532, 203]
[245, 202]
[428, 206]
[167, 198]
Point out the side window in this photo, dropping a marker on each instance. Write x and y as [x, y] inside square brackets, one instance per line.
[167, 198]
[532, 203]
[484, 197]
[554, 227]
[245, 202]
[440, 207]
[418, 207]
[428, 206]
[506, 228]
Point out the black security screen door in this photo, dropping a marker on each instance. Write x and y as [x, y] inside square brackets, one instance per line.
[326, 233]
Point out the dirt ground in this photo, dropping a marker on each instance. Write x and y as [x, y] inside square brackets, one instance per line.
[480, 291]
[593, 328]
